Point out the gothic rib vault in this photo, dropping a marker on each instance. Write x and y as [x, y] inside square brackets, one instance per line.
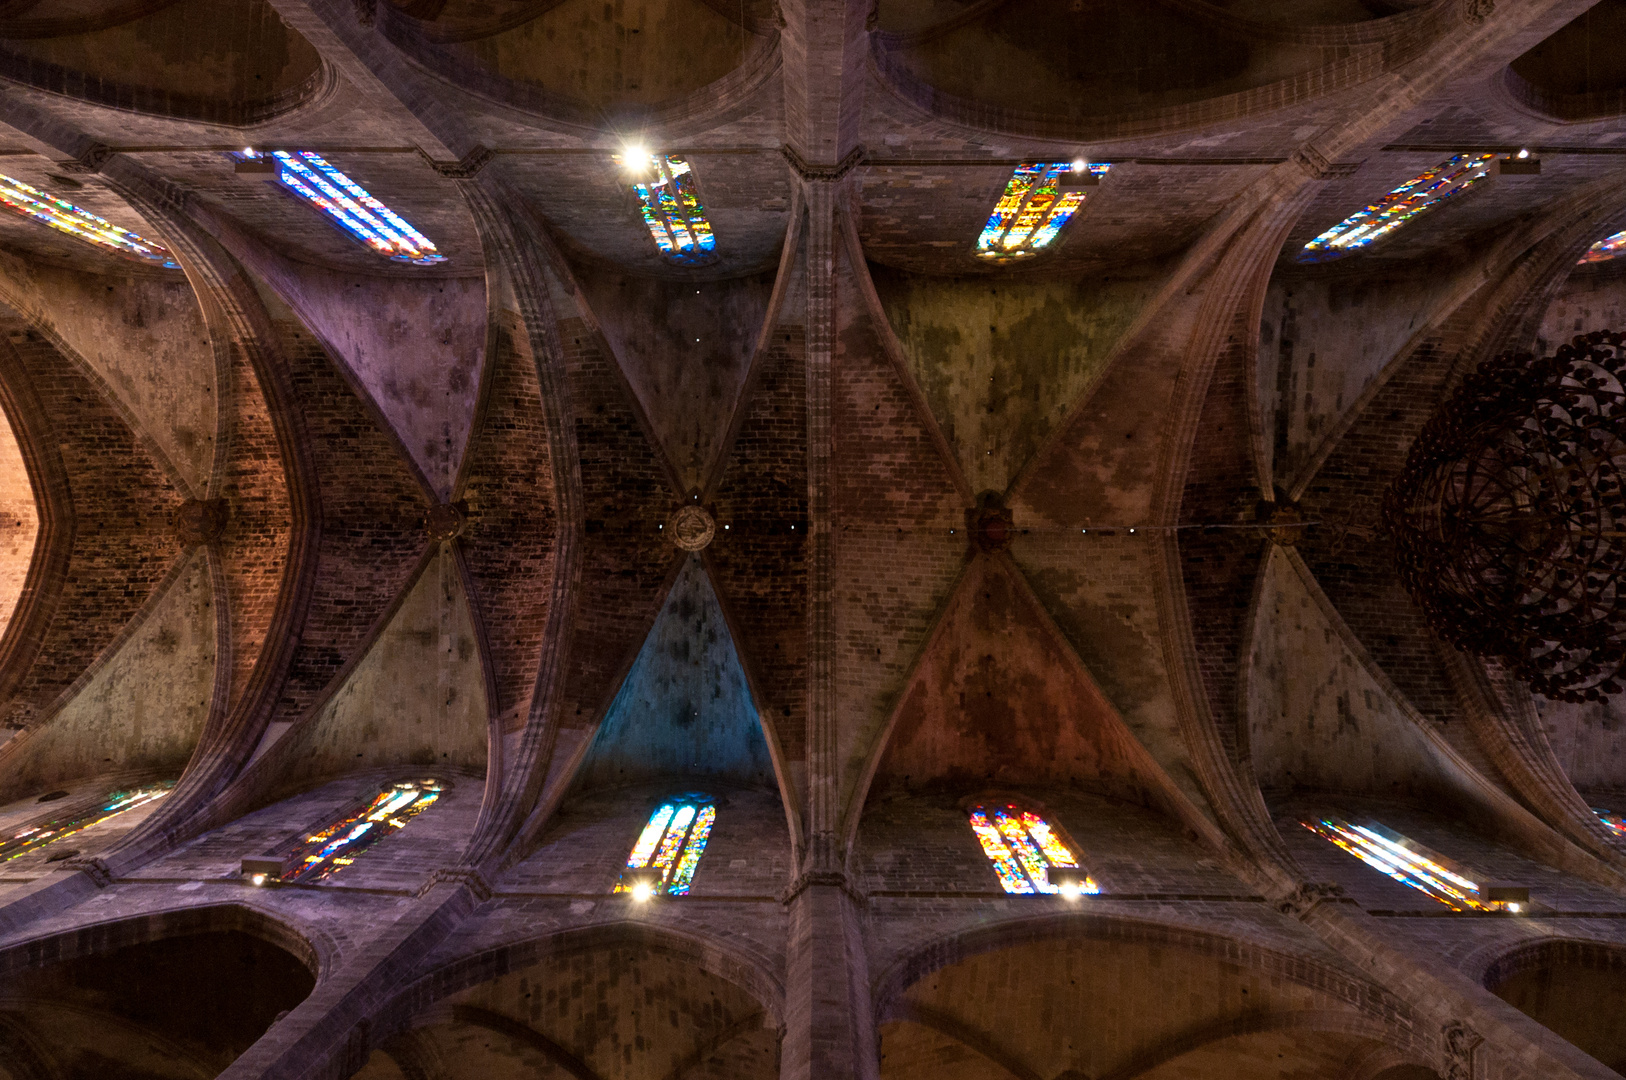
[820, 526]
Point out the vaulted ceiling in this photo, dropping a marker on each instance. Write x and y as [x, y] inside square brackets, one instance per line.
[443, 495]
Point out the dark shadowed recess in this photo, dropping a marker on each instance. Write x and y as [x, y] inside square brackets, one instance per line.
[1575, 988]
[1580, 72]
[233, 63]
[178, 1007]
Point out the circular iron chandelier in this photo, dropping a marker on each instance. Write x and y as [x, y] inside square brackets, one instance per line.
[1509, 518]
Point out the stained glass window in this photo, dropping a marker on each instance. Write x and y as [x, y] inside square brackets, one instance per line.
[1022, 847]
[1616, 823]
[77, 820]
[1038, 200]
[669, 201]
[1604, 249]
[349, 205]
[673, 842]
[330, 849]
[1403, 859]
[64, 217]
[1370, 224]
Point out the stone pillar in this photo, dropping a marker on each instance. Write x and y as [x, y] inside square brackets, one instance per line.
[829, 1025]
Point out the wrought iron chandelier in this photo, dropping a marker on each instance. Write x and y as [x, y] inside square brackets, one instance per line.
[1509, 518]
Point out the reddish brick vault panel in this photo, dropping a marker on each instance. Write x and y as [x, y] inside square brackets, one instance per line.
[121, 502]
[372, 521]
[508, 543]
[254, 547]
[626, 498]
[900, 523]
[759, 562]
[997, 699]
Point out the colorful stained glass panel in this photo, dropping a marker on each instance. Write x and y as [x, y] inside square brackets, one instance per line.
[79, 223]
[1367, 226]
[1022, 847]
[39, 833]
[1604, 250]
[1614, 821]
[330, 849]
[1036, 203]
[1407, 861]
[349, 206]
[669, 201]
[673, 842]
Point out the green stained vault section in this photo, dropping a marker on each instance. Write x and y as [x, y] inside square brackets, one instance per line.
[684, 710]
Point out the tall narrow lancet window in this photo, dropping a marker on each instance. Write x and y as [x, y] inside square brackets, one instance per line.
[1403, 859]
[1038, 200]
[1605, 249]
[81, 224]
[348, 205]
[669, 200]
[333, 847]
[76, 819]
[673, 842]
[1370, 224]
[1023, 846]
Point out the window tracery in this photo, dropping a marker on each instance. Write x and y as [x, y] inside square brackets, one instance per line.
[1023, 846]
[330, 849]
[1370, 224]
[1035, 205]
[1604, 250]
[63, 216]
[1403, 859]
[349, 205]
[39, 833]
[672, 842]
[669, 200]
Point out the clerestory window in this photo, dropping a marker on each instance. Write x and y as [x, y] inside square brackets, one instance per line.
[333, 847]
[63, 216]
[1038, 200]
[673, 842]
[1604, 250]
[1023, 847]
[77, 818]
[348, 205]
[669, 200]
[1403, 859]
[1421, 193]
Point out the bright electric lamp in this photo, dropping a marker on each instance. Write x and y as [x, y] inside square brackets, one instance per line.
[1080, 165]
[635, 158]
[1513, 908]
[1069, 880]
[642, 883]
[1523, 154]
[258, 879]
